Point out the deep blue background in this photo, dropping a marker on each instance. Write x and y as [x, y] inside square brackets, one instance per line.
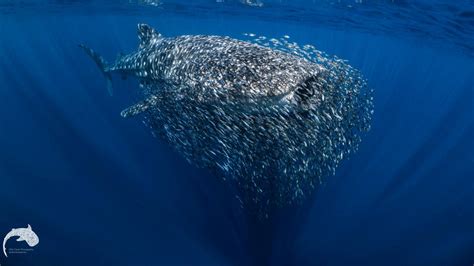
[100, 190]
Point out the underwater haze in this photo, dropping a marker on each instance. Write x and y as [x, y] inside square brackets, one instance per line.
[100, 189]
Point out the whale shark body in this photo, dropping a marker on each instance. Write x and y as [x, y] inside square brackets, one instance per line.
[274, 123]
[23, 234]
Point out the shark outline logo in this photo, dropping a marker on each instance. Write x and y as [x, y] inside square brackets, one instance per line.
[23, 234]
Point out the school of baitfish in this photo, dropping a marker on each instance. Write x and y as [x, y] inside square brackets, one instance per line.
[270, 117]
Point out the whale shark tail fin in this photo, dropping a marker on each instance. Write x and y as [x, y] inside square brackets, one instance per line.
[102, 64]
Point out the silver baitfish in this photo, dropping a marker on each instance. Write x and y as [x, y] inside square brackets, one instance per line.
[270, 117]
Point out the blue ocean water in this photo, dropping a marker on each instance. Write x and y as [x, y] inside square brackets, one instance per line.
[101, 190]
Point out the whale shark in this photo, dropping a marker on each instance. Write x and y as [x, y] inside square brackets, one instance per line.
[271, 121]
[23, 234]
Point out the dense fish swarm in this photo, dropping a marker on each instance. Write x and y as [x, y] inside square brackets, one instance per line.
[269, 116]
[273, 120]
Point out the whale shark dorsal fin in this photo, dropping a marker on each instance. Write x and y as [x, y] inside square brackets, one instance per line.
[29, 227]
[147, 35]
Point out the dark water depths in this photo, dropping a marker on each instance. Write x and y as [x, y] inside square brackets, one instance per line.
[100, 190]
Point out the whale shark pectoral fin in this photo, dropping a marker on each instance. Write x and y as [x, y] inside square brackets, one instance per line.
[147, 34]
[139, 107]
[20, 239]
